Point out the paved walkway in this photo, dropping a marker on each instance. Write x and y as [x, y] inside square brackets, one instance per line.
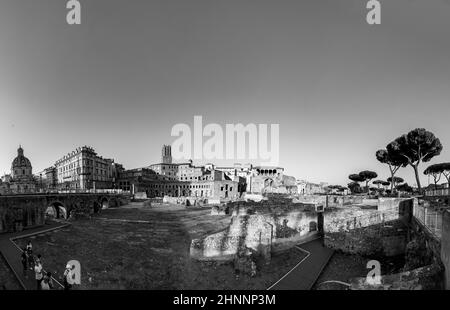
[305, 273]
[12, 253]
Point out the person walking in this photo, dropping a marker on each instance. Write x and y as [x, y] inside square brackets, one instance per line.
[38, 274]
[29, 249]
[38, 259]
[24, 259]
[29, 246]
[47, 282]
[69, 277]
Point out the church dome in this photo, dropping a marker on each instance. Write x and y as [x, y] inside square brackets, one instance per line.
[20, 161]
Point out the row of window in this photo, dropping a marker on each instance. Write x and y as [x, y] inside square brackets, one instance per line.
[18, 172]
[86, 163]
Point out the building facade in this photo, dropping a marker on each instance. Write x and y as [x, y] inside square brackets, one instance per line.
[261, 179]
[47, 179]
[168, 171]
[83, 169]
[308, 188]
[166, 154]
[137, 180]
[21, 180]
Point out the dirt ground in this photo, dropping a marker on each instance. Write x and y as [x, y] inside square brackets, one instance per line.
[343, 267]
[141, 247]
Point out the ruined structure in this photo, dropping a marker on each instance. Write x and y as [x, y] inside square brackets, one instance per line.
[386, 227]
[262, 227]
[18, 212]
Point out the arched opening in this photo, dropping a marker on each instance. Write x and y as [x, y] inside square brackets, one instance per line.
[268, 183]
[51, 212]
[320, 223]
[312, 226]
[104, 203]
[56, 210]
[114, 203]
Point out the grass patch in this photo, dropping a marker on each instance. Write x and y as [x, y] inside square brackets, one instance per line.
[151, 254]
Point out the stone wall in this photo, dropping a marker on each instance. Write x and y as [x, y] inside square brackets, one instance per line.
[431, 247]
[445, 247]
[187, 201]
[18, 212]
[140, 195]
[254, 197]
[333, 200]
[381, 231]
[388, 239]
[423, 278]
[353, 217]
[385, 204]
[257, 231]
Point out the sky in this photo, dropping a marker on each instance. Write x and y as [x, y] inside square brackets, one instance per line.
[340, 89]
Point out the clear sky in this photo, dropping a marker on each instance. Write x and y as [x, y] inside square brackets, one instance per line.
[339, 88]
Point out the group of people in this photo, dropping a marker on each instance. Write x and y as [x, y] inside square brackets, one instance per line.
[44, 280]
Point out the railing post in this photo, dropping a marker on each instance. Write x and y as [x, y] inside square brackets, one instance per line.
[436, 223]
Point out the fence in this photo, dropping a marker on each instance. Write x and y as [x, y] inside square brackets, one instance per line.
[438, 192]
[95, 191]
[430, 219]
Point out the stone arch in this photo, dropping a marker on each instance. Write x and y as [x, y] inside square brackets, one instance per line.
[268, 182]
[58, 209]
[104, 202]
[312, 226]
[51, 212]
[114, 203]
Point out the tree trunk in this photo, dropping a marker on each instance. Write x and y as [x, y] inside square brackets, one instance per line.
[392, 183]
[392, 179]
[416, 172]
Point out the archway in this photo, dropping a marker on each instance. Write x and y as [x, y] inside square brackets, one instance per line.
[56, 210]
[320, 222]
[51, 212]
[312, 226]
[114, 203]
[104, 202]
[268, 182]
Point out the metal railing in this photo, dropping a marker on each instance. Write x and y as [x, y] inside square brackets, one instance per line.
[93, 191]
[430, 219]
[438, 192]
